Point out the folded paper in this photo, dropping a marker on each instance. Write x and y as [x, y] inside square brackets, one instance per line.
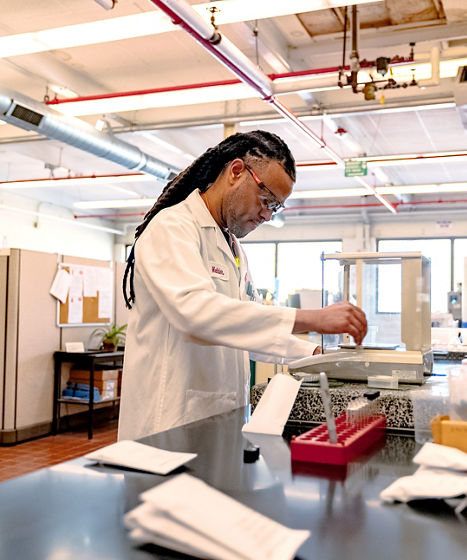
[273, 409]
[183, 514]
[139, 456]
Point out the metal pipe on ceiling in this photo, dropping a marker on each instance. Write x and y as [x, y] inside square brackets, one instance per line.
[28, 114]
[228, 54]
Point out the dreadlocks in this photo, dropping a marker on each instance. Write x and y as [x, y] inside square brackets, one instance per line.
[258, 144]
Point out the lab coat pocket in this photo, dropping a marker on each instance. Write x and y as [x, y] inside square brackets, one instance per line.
[201, 404]
[219, 271]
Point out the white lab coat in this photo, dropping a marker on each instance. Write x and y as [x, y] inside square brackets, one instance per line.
[192, 325]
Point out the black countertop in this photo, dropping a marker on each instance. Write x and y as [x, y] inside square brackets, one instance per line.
[73, 511]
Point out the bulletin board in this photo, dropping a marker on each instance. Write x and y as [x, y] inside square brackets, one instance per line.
[90, 298]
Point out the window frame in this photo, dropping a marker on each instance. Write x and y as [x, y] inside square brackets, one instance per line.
[451, 238]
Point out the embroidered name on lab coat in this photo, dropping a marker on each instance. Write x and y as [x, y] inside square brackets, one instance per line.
[218, 271]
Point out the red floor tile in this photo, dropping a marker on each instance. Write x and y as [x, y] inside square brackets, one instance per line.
[43, 452]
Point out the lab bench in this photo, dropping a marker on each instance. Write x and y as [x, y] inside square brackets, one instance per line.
[75, 509]
[395, 404]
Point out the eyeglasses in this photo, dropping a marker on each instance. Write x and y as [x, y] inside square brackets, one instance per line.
[272, 202]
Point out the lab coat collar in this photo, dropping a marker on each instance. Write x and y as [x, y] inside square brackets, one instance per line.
[204, 219]
[200, 210]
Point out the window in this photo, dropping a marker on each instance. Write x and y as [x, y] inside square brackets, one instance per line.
[299, 265]
[439, 251]
[262, 264]
[460, 254]
[127, 251]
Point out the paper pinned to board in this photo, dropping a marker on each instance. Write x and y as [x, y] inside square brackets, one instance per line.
[273, 409]
[61, 285]
[89, 282]
[75, 309]
[134, 455]
[104, 305]
[183, 514]
[76, 286]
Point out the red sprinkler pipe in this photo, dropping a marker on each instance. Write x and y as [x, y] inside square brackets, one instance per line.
[199, 85]
[112, 176]
[369, 205]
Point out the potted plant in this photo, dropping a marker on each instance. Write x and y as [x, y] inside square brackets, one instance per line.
[110, 337]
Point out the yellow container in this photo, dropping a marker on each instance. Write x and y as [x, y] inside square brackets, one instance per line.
[452, 433]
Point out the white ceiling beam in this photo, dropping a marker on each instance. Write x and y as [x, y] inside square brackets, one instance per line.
[454, 11]
[271, 45]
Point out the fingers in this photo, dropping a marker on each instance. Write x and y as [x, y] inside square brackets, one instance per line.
[358, 325]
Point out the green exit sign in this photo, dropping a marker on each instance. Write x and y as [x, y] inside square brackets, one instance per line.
[356, 168]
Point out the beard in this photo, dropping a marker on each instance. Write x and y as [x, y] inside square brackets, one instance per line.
[239, 227]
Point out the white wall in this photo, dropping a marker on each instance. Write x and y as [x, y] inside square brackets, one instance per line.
[360, 236]
[26, 231]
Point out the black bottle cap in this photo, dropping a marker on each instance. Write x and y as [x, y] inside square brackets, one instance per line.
[251, 454]
[371, 395]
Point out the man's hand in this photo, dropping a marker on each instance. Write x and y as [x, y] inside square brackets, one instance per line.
[342, 317]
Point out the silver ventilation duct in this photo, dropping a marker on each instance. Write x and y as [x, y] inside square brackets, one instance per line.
[29, 114]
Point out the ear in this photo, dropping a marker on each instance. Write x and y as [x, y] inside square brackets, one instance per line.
[236, 168]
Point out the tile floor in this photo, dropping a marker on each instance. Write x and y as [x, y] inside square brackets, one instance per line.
[46, 451]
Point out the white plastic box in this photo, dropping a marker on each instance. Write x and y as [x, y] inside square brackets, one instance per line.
[427, 403]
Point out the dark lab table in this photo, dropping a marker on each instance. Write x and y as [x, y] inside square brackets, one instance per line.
[74, 510]
[84, 360]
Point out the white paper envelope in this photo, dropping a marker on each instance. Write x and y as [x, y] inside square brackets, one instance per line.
[273, 409]
[136, 455]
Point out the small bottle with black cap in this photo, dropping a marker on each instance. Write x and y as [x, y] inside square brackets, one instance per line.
[251, 454]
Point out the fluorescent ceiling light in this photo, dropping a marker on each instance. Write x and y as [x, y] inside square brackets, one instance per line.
[389, 189]
[151, 23]
[130, 203]
[41, 215]
[356, 111]
[423, 189]
[78, 181]
[329, 193]
[173, 98]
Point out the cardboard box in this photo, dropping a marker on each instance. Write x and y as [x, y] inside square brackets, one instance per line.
[82, 375]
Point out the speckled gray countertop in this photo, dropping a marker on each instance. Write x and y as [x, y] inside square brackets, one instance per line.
[395, 404]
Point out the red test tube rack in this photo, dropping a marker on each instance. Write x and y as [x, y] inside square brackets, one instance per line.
[352, 440]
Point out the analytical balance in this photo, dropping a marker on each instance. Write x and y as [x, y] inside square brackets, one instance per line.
[393, 289]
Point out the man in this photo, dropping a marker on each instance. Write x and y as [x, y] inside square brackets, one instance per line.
[194, 321]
